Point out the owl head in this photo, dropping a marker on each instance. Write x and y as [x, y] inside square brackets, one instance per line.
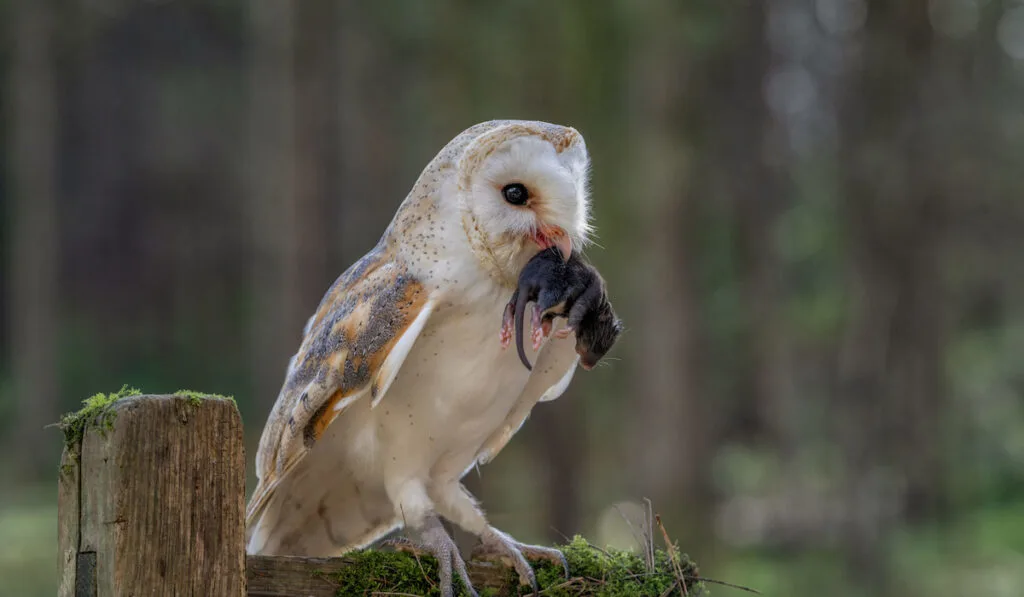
[522, 187]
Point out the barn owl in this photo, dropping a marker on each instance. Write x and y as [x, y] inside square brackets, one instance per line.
[400, 385]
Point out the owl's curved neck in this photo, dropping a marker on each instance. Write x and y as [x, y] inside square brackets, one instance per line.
[492, 256]
[495, 255]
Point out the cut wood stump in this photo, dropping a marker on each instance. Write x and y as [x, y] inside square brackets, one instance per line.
[151, 500]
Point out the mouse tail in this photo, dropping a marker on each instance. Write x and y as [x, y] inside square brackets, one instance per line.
[520, 314]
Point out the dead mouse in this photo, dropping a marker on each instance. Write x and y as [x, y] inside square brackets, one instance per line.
[572, 289]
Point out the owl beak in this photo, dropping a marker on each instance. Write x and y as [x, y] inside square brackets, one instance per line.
[554, 236]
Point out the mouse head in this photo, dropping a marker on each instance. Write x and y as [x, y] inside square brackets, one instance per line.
[596, 335]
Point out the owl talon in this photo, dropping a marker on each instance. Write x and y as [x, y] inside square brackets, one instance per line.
[496, 545]
[437, 543]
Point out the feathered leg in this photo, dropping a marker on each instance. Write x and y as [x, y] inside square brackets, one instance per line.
[416, 510]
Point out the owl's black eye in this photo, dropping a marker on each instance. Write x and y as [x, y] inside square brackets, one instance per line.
[515, 193]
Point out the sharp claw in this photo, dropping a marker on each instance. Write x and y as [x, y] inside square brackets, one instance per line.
[437, 543]
[550, 554]
[497, 544]
[533, 583]
[460, 567]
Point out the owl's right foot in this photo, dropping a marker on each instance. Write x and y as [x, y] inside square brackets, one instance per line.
[435, 541]
[496, 545]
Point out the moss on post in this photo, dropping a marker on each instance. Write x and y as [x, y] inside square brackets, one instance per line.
[196, 398]
[95, 412]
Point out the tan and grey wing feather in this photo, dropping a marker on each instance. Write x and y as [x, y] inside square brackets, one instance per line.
[353, 346]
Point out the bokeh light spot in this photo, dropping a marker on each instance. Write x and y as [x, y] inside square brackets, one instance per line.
[953, 18]
[841, 17]
[1011, 33]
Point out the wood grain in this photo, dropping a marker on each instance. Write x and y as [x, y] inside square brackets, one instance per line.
[162, 498]
[287, 576]
[67, 520]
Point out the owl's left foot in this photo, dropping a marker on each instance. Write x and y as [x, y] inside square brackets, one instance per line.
[435, 541]
[498, 545]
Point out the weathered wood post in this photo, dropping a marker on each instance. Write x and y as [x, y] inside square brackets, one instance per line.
[151, 499]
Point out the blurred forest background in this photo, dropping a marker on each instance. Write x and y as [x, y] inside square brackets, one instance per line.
[809, 216]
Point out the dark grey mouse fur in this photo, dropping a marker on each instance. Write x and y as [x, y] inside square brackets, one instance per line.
[572, 289]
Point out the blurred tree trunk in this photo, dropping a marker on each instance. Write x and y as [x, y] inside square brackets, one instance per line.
[670, 454]
[315, 149]
[556, 438]
[891, 384]
[33, 316]
[277, 316]
[754, 184]
[368, 190]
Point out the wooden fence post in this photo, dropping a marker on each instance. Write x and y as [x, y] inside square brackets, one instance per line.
[152, 501]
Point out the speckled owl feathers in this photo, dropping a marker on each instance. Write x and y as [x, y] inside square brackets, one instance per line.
[399, 386]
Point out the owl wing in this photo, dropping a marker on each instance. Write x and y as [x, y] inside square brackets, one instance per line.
[554, 369]
[353, 346]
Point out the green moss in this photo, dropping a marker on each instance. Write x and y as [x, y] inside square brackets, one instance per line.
[95, 413]
[372, 572]
[593, 572]
[612, 573]
[195, 397]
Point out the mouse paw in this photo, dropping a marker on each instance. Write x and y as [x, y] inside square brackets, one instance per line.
[538, 327]
[545, 326]
[507, 327]
[564, 332]
[538, 338]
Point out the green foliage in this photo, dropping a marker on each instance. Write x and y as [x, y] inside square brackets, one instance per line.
[613, 573]
[592, 572]
[28, 525]
[373, 571]
[96, 412]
